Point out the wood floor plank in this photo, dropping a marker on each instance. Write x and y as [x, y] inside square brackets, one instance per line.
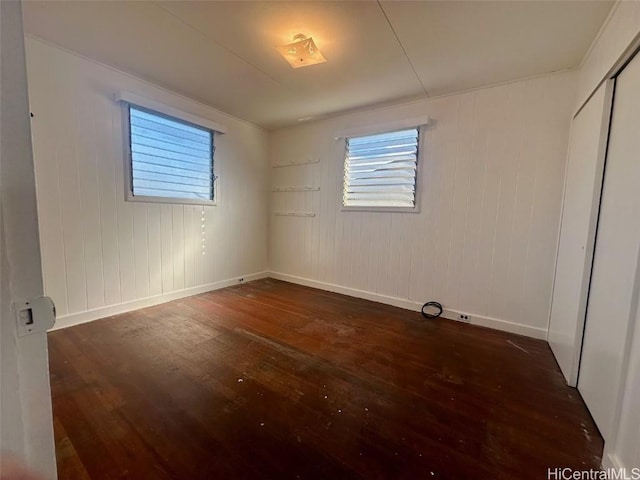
[274, 380]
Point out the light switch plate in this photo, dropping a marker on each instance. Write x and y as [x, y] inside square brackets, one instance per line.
[35, 315]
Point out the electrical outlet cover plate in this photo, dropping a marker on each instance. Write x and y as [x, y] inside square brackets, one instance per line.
[35, 315]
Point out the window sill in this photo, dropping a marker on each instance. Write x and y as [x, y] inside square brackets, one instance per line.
[172, 201]
[382, 209]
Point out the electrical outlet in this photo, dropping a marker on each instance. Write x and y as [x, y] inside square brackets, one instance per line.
[463, 317]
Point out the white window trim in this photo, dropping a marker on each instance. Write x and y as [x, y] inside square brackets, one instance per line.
[125, 99]
[421, 134]
[144, 102]
[389, 126]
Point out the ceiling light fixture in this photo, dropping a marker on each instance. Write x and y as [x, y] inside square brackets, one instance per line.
[302, 52]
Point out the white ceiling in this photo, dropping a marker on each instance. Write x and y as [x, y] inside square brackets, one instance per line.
[222, 52]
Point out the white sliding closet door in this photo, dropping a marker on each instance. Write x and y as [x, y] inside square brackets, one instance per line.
[613, 296]
[589, 132]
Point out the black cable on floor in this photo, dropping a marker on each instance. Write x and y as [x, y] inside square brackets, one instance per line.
[435, 305]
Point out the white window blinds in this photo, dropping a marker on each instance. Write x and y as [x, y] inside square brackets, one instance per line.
[380, 170]
[170, 158]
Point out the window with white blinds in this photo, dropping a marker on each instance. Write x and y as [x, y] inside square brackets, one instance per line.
[170, 158]
[380, 170]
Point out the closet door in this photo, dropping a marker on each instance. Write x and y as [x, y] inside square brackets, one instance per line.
[613, 296]
[583, 186]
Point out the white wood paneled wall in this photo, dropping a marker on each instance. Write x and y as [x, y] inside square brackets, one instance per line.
[485, 240]
[100, 251]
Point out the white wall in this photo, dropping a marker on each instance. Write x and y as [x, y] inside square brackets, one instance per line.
[485, 240]
[617, 40]
[26, 423]
[102, 255]
[614, 40]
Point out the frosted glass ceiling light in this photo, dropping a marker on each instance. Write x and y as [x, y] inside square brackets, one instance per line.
[302, 52]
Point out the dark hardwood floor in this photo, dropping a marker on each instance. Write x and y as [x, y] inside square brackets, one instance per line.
[279, 381]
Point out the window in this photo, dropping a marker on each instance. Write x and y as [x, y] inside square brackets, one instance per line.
[170, 160]
[380, 170]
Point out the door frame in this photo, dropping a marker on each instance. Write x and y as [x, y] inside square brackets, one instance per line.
[25, 407]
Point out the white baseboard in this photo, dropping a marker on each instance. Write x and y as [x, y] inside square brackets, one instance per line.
[102, 312]
[450, 314]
